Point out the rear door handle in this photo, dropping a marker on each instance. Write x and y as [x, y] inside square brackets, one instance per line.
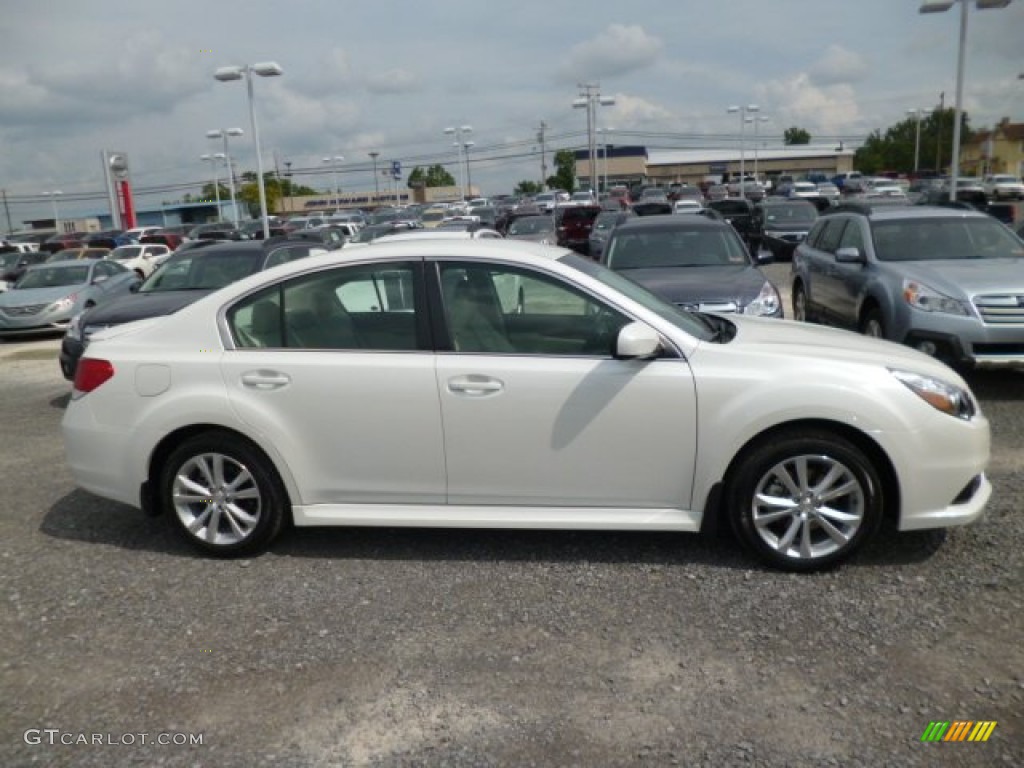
[475, 385]
[265, 380]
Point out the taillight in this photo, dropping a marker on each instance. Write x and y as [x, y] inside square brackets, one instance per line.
[92, 373]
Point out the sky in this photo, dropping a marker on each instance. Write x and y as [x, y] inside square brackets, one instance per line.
[389, 76]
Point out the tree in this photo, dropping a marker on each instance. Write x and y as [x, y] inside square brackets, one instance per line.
[528, 188]
[894, 150]
[249, 193]
[565, 171]
[795, 135]
[208, 192]
[434, 176]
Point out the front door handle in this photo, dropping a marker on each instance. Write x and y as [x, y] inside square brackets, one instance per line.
[265, 380]
[475, 385]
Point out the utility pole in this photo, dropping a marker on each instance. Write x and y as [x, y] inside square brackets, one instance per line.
[543, 156]
[7, 210]
[590, 97]
[938, 130]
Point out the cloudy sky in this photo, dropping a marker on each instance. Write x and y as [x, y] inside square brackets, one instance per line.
[389, 75]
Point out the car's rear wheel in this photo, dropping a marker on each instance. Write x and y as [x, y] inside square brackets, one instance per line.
[873, 325]
[223, 494]
[804, 500]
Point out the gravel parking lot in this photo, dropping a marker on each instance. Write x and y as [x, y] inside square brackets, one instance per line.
[388, 647]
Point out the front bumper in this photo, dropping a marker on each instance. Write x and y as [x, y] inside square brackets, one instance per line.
[964, 340]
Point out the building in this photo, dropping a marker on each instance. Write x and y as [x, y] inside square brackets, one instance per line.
[628, 165]
[1000, 150]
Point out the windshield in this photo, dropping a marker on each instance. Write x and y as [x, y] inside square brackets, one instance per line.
[680, 318]
[531, 225]
[126, 252]
[202, 270]
[675, 248]
[937, 239]
[54, 277]
[9, 259]
[790, 214]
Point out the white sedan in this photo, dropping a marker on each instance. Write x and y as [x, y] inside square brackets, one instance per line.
[497, 384]
[140, 259]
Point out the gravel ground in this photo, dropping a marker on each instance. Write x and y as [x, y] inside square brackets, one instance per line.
[369, 647]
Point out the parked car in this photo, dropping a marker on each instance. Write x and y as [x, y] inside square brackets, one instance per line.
[739, 213]
[1002, 186]
[948, 282]
[141, 259]
[218, 230]
[829, 191]
[185, 277]
[13, 265]
[303, 222]
[687, 205]
[605, 222]
[608, 407]
[573, 224]
[163, 237]
[693, 262]
[62, 240]
[780, 225]
[47, 296]
[651, 201]
[537, 229]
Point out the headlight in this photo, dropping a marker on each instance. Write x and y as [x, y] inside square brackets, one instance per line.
[920, 296]
[62, 305]
[939, 394]
[766, 303]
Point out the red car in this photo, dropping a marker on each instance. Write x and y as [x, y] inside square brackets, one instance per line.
[573, 224]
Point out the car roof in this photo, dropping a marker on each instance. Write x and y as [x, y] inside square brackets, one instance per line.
[654, 223]
[890, 212]
[65, 263]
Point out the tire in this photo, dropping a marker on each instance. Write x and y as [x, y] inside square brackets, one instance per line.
[872, 324]
[233, 485]
[804, 500]
[800, 311]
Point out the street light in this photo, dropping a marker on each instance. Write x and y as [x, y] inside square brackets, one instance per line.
[469, 177]
[457, 132]
[941, 6]
[916, 113]
[376, 179]
[743, 111]
[53, 199]
[213, 159]
[223, 133]
[263, 69]
[756, 121]
[334, 172]
[605, 133]
[590, 97]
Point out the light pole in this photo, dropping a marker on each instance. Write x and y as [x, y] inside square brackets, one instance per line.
[223, 133]
[940, 6]
[590, 97]
[213, 159]
[53, 199]
[457, 132]
[469, 176]
[756, 121]
[376, 179]
[334, 172]
[263, 69]
[917, 136]
[605, 133]
[743, 112]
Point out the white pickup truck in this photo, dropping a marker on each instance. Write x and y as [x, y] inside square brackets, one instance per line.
[1003, 186]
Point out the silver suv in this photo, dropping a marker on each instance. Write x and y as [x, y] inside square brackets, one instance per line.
[949, 282]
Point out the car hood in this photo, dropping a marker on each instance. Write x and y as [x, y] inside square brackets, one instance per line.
[788, 338]
[137, 306]
[968, 277]
[29, 296]
[687, 285]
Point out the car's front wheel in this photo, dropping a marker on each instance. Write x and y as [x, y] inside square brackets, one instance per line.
[223, 494]
[873, 325]
[804, 500]
[800, 311]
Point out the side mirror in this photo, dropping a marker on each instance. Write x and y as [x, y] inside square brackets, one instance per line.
[637, 341]
[850, 255]
[764, 257]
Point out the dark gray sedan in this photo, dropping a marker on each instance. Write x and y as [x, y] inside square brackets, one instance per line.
[696, 263]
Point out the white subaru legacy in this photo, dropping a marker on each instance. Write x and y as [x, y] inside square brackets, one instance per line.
[494, 384]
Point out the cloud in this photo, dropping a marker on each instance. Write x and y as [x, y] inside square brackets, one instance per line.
[391, 81]
[616, 51]
[838, 65]
[831, 109]
[631, 111]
